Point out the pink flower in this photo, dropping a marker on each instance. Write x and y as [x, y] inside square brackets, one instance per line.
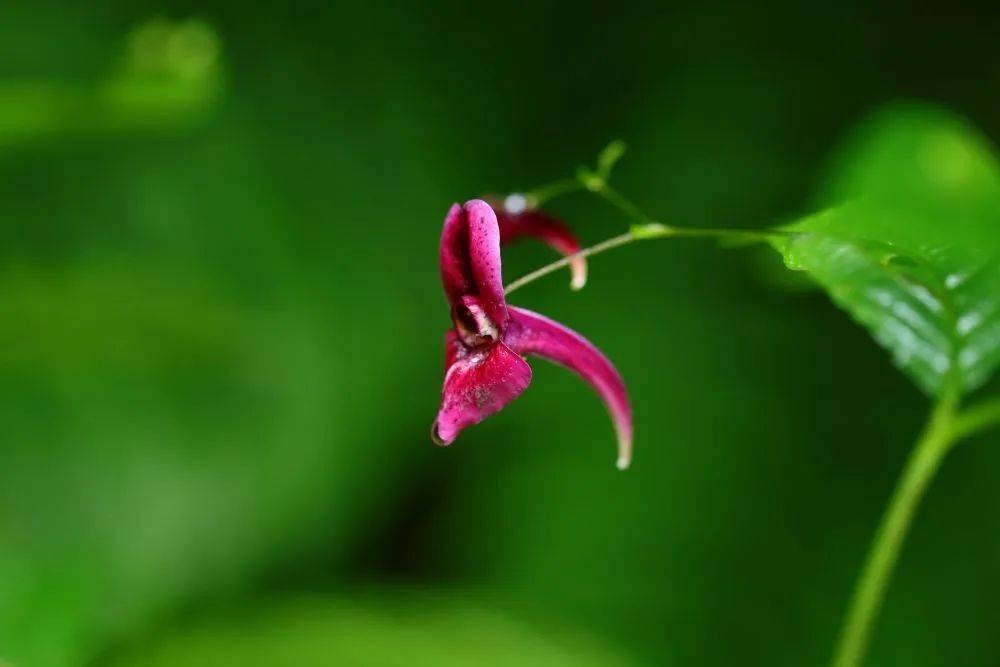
[484, 365]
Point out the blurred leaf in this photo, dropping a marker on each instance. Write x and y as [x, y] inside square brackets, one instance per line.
[168, 76]
[217, 392]
[418, 630]
[184, 405]
[926, 154]
[913, 256]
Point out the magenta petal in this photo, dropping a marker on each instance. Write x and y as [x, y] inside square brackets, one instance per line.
[538, 225]
[452, 348]
[456, 271]
[484, 256]
[531, 333]
[476, 386]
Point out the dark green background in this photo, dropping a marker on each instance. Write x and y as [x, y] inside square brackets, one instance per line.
[221, 343]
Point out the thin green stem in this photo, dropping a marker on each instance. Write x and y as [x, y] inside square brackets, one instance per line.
[618, 200]
[549, 191]
[741, 235]
[590, 182]
[869, 592]
[607, 244]
[653, 230]
[977, 418]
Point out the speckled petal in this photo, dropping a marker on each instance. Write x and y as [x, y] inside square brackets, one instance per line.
[476, 386]
[453, 349]
[456, 271]
[484, 257]
[531, 333]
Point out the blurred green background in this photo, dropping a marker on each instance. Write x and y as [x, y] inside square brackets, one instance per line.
[221, 328]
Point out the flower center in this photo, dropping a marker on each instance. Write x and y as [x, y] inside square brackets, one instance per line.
[474, 327]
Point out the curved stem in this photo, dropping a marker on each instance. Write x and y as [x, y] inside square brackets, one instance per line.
[618, 200]
[653, 230]
[544, 193]
[869, 592]
[607, 244]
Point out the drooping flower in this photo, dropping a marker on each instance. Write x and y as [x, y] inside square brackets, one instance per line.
[484, 365]
[519, 220]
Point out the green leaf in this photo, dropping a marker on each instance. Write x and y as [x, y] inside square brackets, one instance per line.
[913, 254]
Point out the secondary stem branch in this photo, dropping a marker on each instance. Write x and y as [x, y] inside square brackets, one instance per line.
[543, 194]
[977, 418]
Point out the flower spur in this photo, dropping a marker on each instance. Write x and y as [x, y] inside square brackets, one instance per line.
[518, 219]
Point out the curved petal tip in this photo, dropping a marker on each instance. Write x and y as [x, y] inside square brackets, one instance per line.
[436, 437]
[531, 333]
[624, 455]
[578, 269]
